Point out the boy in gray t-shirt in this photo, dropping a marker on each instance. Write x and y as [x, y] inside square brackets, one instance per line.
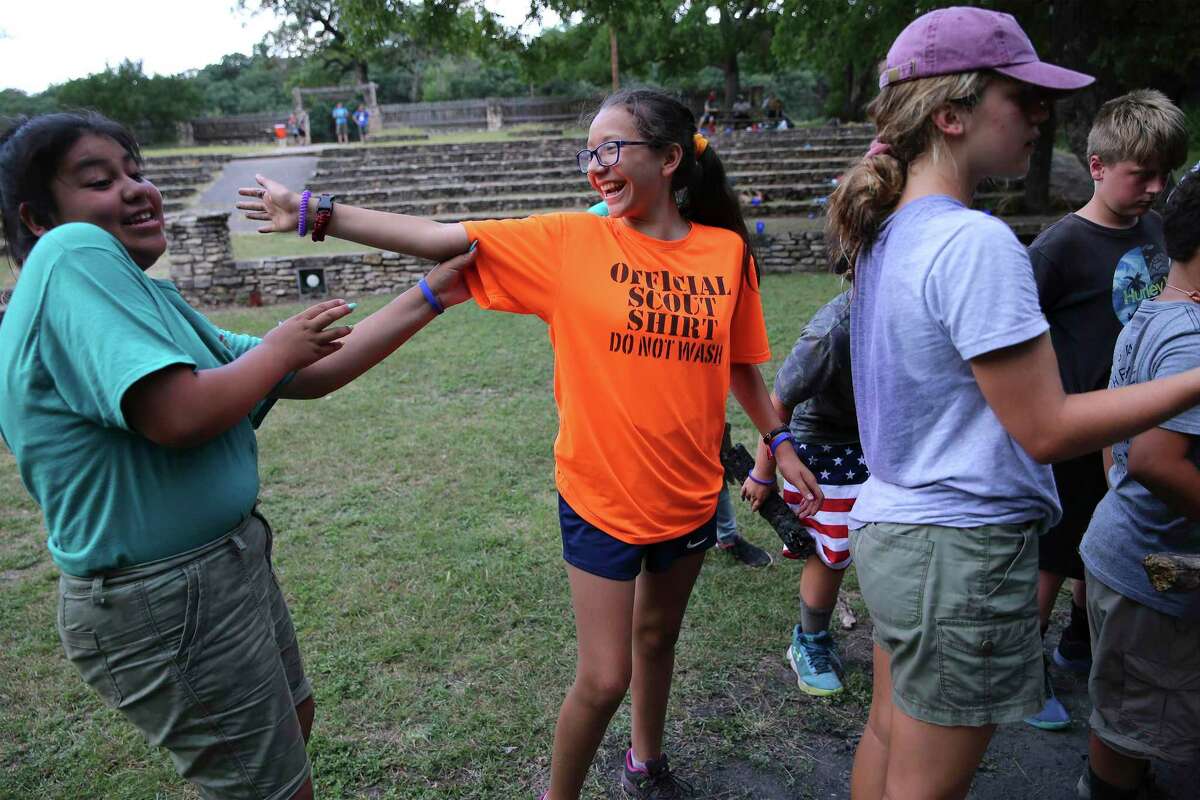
[1145, 678]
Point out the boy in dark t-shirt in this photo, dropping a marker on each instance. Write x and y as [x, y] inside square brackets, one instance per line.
[1093, 268]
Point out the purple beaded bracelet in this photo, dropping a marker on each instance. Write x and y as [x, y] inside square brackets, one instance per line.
[302, 225]
[759, 480]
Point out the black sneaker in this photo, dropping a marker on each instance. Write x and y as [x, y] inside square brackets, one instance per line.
[655, 782]
[1074, 652]
[749, 554]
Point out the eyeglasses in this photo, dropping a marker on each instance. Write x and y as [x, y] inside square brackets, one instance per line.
[607, 154]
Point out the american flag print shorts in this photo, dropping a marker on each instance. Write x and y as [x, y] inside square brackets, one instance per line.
[840, 470]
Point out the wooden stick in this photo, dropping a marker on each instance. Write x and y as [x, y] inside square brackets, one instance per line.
[738, 462]
[1173, 572]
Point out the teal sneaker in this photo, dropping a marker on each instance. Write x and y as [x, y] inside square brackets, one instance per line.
[815, 662]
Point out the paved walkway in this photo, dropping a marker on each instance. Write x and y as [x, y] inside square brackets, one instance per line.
[292, 171]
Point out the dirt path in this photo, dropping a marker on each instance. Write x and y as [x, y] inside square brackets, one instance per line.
[292, 171]
[813, 761]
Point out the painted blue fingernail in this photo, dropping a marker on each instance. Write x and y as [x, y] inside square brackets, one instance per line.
[351, 306]
[474, 244]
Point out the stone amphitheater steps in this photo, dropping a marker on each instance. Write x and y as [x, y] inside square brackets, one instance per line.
[519, 160]
[539, 168]
[414, 155]
[782, 186]
[467, 180]
[178, 178]
[523, 205]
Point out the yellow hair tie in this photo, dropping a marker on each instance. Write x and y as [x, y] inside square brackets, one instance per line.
[701, 144]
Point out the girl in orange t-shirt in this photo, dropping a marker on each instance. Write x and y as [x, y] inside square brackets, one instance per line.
[655, 315]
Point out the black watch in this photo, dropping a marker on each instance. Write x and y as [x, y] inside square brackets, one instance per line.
[324, 214]
[770, 435]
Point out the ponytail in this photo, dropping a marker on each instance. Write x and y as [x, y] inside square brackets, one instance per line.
[700, 185]
[870, 189]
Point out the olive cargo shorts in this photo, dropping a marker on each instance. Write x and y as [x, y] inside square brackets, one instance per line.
[198, 651]
[956, 608]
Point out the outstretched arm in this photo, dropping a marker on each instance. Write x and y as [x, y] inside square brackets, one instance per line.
[748, 388]
[377, 336]
[182, 407]
[279, 208]
[1023, 387]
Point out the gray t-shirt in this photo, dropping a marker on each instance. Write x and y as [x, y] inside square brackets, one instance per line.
[814, 380]
[942, 285]
[1162, 339]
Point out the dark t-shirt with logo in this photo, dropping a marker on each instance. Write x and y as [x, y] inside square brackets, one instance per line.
[1090, 281]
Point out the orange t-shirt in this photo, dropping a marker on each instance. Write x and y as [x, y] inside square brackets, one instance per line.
[644, 332]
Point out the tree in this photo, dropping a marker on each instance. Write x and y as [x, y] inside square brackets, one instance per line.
[741, 26]
[150, 105]
[348, 35]
[339, 32]
[844, 40]
[610, 14]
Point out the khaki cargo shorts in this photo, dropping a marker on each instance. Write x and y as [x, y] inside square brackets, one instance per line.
[956, 608]
[198, 651]
[1145, 679]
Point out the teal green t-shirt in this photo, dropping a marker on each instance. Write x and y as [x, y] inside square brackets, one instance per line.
[84, 324]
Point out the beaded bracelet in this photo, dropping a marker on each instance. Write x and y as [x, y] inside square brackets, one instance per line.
[759, 480]
[302, 225]
[779, 439]
[430, 297]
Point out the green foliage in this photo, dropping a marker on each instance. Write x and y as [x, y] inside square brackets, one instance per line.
[14, 102]
[240, 84]
[451, 78]
[150, 105]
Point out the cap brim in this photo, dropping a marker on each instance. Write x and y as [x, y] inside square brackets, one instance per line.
[1048, 76]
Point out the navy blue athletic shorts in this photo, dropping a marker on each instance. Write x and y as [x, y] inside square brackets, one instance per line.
[592, 550]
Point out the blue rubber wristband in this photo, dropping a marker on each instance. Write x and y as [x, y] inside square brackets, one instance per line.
[430, 297]
[759, 480]
[786, 436]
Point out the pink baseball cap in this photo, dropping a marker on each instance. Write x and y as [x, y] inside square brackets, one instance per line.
[963, 39]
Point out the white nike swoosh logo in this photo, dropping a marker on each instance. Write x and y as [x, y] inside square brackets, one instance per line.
[691, 545]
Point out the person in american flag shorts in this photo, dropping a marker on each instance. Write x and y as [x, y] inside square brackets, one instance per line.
[814, 396]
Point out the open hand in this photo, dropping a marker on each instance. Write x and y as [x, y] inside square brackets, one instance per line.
[274, 204]
[307, 337]
[797, 474]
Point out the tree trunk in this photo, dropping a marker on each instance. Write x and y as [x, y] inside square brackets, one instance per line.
[361, 73]
[1074, 33]
[732, 84]
[612, 54]
[729, 61]
[1037, 181]
[848, 103]
[418, 75]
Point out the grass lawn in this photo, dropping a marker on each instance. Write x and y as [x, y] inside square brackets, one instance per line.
[248, 246]
[417, 542]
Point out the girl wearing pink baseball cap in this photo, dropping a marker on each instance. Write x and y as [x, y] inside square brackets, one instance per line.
[960, 403]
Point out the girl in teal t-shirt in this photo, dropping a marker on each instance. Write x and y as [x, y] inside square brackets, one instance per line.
[131, 419]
